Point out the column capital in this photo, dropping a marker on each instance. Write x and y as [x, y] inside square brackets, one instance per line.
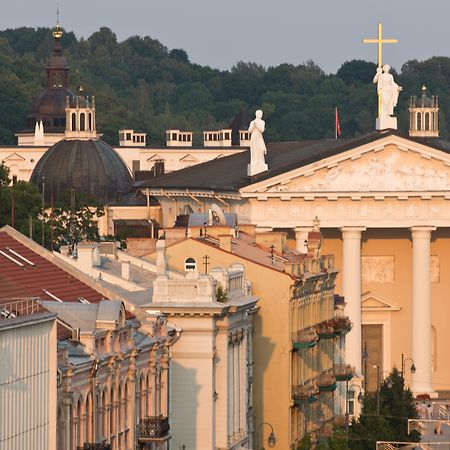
[352, 232]
[303, 228]
[421, 231]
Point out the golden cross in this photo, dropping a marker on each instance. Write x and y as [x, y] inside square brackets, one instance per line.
[380, 41]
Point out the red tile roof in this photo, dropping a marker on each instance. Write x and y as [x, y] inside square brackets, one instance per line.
[26, 280]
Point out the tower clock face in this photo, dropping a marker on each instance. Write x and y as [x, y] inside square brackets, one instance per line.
[57, 80]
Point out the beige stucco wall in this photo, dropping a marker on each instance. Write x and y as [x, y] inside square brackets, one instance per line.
[397, 324]
[272, 345]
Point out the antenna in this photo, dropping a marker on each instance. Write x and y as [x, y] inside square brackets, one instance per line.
[57, 14]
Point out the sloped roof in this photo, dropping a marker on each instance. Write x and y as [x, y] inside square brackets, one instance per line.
[40, 279]
[229, 174]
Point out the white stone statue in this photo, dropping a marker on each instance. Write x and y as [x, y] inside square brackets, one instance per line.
[388, 90]
[257, 145]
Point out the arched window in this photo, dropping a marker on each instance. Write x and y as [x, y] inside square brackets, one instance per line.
[427, 121]
[82, 122]
[105, 416]
[119, 409]
[74, 122]
[419, 121]
[90, 122]
[112, 415]
[88, 426]
[79, 422]
[142, 397]
[190, 264]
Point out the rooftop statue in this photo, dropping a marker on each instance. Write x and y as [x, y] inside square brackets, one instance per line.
[388, 91]
[257, 145]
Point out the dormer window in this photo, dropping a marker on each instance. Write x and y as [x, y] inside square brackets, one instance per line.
[190, 264]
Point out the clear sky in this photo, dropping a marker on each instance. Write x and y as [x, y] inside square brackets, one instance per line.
[269, 32]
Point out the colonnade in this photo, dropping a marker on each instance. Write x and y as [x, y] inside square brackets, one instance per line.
[351, 270]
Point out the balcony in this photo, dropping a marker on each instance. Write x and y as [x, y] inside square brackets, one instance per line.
[343, 372]
[304, 338]
[95, 446]
[325, 329]
[153, 428]
[326, 382]
[305, 392]
[342, 325]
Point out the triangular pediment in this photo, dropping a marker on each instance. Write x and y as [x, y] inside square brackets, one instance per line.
[370, 302]
[391, 164]
[155, 158]
[189, 159]
[14, 157]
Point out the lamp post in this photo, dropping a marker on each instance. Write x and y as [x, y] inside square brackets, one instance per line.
[271, 440]
[389, 384]
[412, 368]
[360, 399]
[365, 358]
[378, 388]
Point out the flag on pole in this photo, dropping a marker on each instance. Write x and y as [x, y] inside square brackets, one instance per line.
[337, 125]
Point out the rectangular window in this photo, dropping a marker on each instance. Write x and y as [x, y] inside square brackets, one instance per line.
[128, 136]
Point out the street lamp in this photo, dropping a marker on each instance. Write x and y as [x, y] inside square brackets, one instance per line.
[360, 399]
[389, 384]
[412, 368]
[271, 440]
[365, 358]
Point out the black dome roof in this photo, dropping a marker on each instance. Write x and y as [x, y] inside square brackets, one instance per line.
[90, 166]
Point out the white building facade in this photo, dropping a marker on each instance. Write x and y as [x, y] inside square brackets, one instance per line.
[27, 377]
[211, 364]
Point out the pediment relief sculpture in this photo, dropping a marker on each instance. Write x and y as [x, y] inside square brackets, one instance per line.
[390, 170]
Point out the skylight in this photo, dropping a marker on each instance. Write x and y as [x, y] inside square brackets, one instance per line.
[10, 250]
[11, 258]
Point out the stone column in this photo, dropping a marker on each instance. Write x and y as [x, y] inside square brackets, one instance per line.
[301, 236]
[351, 289]
[421, 310]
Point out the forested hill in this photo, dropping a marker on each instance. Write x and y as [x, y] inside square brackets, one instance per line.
[139, 83]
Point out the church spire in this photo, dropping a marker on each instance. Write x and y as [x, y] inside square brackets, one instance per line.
[57, 67]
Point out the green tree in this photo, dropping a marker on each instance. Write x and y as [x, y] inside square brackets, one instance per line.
[390, 422]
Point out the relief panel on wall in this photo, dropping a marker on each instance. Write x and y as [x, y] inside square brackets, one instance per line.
[378, 269]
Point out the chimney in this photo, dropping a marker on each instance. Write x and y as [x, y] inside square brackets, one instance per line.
[159, 168]
[225, 242]
[126, 270]
[86, 257]
[160, 257]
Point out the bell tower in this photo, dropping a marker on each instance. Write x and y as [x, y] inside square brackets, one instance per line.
[80, 117]
[423, 115]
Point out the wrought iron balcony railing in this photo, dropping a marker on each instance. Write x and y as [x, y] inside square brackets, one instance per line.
[343, 372]
[304, 338]
[153, 428]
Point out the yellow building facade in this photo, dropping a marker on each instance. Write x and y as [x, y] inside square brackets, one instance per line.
[297, 346]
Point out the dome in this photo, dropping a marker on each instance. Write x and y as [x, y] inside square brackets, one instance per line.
[50, 107]
[92, 167]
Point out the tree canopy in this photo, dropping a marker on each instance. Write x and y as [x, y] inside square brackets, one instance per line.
[140, 83]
